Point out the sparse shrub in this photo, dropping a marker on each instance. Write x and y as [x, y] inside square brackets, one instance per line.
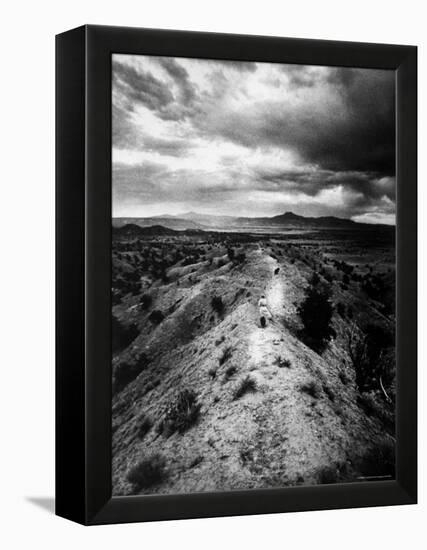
[338, 410]
[230, 371]
[314, 279]
[148, 472]
[328, 392]
[122, 335]
[311, 388]
[282, 363]
[343, 377]
[246, 455]
[341, 309]
[125, 372]
[183, 412]
[372, 355]
[329, 277]
[226, 355]
[196, 461]
[149, 386]
[379, 460]
[212, 372]
[367, 402]
[246, 385]
[160, 426]
[231, 254]
[316, 314]
[241, 257]
[144, 425]
[156, 317]
[146, 301]
[218, 304]
[333, 474]
[276, 271]
[220, 340]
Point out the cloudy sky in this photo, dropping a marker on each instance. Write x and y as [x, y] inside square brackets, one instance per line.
[252, 139]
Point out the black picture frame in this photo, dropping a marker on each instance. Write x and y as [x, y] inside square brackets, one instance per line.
[83, 274]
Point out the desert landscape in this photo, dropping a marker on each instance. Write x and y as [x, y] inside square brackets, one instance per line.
[253, 275]
[205, 398]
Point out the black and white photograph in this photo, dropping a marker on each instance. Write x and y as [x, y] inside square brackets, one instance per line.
[253, 275]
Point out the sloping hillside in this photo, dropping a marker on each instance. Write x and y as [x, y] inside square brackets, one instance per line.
[207, 400]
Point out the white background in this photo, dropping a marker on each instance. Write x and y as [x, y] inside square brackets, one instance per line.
[27, 271]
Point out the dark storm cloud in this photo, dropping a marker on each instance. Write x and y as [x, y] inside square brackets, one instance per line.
[300, 76]
[364, 186]
[226, 127]
[242, 66]
[180, 75]
[353, 132]
[141, 87]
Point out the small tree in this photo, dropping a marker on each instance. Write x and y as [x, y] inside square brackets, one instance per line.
[316, 314]
[218, 304]
[369, 355]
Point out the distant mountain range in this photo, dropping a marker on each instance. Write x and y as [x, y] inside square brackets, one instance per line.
[205, 222]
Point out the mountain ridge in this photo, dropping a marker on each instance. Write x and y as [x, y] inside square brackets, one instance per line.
[206, 222]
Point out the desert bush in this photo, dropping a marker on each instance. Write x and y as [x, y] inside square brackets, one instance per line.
[231, 254]
[311, 388]
[144, 425]
[328, 392]
[220, 340]
[147, 472]
[212, 372]
[316, 314]
[146, 301]
[343, 377]
[230, 371]
[183, 412]
[122, 335]
[341, 309]
[156, 317]
[372, 355]
[241, 257]
[379, 460]
[217, 304]
[314, 279]
[374, 405]
[333, 474]
[282, 362]
[246, 385]
[125, 372]
[226, 355]
[196, 461]
[329, 277]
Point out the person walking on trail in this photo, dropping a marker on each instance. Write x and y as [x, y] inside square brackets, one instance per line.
[264, 312]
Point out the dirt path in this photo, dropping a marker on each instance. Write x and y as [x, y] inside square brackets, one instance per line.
[263, 341]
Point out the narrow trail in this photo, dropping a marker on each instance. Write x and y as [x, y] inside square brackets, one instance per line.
[264, 341]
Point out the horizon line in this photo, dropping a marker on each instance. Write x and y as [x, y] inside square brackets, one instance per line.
[253, 217]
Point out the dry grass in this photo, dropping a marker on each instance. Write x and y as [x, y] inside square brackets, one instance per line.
[246, 385]
[147, 472]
